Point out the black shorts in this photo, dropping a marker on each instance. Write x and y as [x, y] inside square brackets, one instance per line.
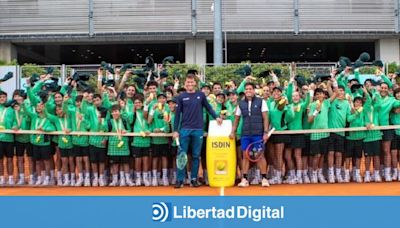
[138, 152]
[372, 148]
[387, 135]
[22, 148]
[336, 143]
[395, 144]
[97, 154]
[159, 150]
[119, 159]
[174, 151]
[319, 146]
[297, 141]
[53, 149]
[6, 149]
[80, 151]
[276, 139]
[306, 150]
[354, 148]
[41, 152]
[66, 153]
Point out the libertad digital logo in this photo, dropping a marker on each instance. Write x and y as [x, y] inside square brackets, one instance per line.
[161, 212]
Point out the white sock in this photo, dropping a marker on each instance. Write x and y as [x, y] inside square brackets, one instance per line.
[145, 175]
[127, 176]
[66, 176]
[21, 176]
[154, 172]
[59, 174]
[165, 173]
[367, 173]
[87, 175]
[52, 174]
[95, 175]
[138, 174]
[72, 176]
[115, 177]
[80, 175]
[121, 174]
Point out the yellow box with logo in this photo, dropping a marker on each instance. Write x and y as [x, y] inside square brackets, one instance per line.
[221, 155]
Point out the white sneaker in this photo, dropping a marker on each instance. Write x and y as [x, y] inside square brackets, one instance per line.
[95, 182]
[21, 181]
[39, 181]
[306, 179]
[113, 183]
[299, 180]
[11, 181]
[67, 182]
[154, 181]
[160, 181]
[264, 183]
[165, 181]
[377, 177]
[129, 182]
[79, 182]
[346, 178]
[46, 181]
[367, 177]
[138, 181]
[321, 179]
[52, 181]
[87, 182]
[314, 177]
[243, 183]
[292, 180]
[146, 181]
[59, 182]
[173, 179]
[358, 178]
[394, 174]
[2, 182]
[331, 178]
[102, 182]
[73, 182]
[122, 182]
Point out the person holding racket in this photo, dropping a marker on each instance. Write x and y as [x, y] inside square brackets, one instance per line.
[255, 133]
[189, 122]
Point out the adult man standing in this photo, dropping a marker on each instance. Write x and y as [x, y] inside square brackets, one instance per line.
[254, 111]
[189, 122]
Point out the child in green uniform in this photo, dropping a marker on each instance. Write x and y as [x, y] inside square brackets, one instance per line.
[318, 117]
[296, 108]
[140, 144]
[22, 144]
[157, 121]
[41, 149]
[62, 122]
[354, 141]
[118, 148]
[6, 140]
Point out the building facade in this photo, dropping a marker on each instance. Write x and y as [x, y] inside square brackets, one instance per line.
[89, 31]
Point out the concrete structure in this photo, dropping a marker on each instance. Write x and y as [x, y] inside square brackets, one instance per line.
[44, 31]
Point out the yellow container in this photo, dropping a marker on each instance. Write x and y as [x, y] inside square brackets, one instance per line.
[221, 161]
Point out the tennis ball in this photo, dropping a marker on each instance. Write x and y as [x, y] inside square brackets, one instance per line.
[2, 127]
[282, 101]
[360, 109]
[120, 144]
[298, 108]
[142, 134]
[221, 166]
[347, 96]
[151, 96]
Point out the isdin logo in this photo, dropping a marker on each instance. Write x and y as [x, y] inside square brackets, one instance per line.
[161, 212]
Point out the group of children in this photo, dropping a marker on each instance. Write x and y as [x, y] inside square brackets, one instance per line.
[119, 160]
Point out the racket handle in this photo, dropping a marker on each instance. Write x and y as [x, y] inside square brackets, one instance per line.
[271, 131]
[177, 142]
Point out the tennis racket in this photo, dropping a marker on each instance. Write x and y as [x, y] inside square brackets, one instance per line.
[181, 158]
[255, 150]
